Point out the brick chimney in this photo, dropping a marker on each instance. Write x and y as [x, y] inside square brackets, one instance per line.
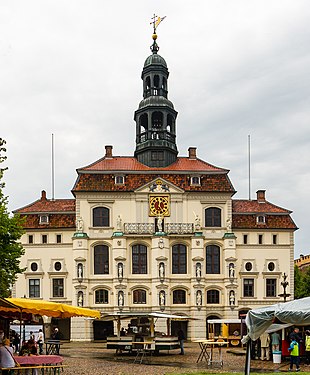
[192, 152]
[43, 195]
[108, 151]
[261, 196]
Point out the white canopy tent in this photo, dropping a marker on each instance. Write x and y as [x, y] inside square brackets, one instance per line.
[259, 320]
[292, 312]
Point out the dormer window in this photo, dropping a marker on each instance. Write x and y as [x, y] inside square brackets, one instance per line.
[261, 219]
[119, 180]
[43, 219]
[195, 181]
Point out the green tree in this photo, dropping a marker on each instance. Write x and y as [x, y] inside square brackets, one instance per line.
[299, 284]
[11, 229]
[306, 282]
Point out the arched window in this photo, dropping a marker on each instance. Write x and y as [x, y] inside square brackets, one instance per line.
[213, 217]
[213, 296]
[101, 217]
[179, 259]
[139, 296]
[156, 81]
[213, 259]
[101, 296]
[179, 296]
[139, 259]
[157, 120]
[101, 260]
[148, 82]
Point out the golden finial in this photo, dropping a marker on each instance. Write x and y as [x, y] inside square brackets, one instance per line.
[156, 20]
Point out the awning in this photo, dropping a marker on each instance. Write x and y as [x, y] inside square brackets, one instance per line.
[132, 314]
[292, 312]
[47, 308]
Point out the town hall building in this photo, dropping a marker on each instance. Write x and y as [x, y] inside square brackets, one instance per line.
[155, 231]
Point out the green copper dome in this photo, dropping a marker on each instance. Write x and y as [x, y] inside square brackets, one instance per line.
[155, 60]
[157, 101]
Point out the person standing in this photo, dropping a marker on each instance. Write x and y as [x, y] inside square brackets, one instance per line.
[56, 337]
[181, 338]
[294, 355]
[6, 356]
[275, 341]
[40, 341]
[307, 347]
[264, 344]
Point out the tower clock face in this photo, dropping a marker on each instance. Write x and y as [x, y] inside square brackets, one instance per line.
[159, 205]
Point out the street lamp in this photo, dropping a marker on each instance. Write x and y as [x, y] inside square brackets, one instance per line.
[284, 284]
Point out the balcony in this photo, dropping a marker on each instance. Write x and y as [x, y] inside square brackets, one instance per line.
[149, 228]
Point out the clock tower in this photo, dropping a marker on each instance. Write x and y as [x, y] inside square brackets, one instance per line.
[155, 118]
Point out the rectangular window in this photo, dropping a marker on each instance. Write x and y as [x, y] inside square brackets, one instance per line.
[58, 238]
[119, 180]
[274, 239]
[34, 288]
[195, 180]
[139, 259]
[58, 287]
[260, 239]
[248, 288]
[43, 219]
[30, 238]
[101, 296]
[44, 238]
[271, 287]
[245, 239]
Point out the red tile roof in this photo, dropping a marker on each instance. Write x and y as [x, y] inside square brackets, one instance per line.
[245, 215]
[97, 182]
[124, 163]
[56, 221]
[274, 221]
[253, 206]
[48, 205]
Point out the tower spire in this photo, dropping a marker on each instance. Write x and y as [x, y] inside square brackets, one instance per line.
[156, 117]
[156, 20]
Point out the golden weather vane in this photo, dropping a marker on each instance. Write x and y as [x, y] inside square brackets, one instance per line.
[156, 20]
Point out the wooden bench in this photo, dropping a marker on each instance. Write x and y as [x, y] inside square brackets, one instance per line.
[45, 369]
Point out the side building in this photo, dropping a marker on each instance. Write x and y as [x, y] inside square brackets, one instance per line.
[156, 232]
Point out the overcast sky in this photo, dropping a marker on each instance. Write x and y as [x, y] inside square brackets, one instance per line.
[237, 67]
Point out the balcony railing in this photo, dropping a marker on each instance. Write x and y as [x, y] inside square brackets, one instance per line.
[179, 228]
[139, 228]
[149, 228]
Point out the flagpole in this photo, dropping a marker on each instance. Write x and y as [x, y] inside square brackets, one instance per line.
[53, 169]
[249, 164]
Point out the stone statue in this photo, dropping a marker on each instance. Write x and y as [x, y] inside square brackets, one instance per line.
[228, 224]
[232, 298]
[160, 224]
[120, 299]
[197, 223]
[198, 298]
[120, 270]
[80, 224]
[80, 271]
[80, 299]
[161, 270]
[198, 270]
[119, 223]
[231, 271]
[162, 298]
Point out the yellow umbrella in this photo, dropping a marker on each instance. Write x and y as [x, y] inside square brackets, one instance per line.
[41, 307]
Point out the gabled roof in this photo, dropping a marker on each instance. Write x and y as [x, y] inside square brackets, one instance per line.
[128, 164]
